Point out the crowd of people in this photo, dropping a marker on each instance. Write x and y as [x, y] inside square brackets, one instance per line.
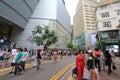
[89, 59]
[92, 60]
[17, 58]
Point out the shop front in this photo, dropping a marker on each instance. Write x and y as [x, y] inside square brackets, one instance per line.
[110, 40]
[5, 32]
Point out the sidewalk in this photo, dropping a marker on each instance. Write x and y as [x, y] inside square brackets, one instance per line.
[28, 65]
[68, 75]
[115, 75]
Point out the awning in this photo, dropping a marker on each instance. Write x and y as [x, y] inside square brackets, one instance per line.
[118, 26]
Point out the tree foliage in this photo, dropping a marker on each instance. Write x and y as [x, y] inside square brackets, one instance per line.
[72, 47]
[43, 36]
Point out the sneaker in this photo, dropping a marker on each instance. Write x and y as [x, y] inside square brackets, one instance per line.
[12, 74]
[22, 72]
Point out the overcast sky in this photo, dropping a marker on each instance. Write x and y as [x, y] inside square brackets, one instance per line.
[71, 6]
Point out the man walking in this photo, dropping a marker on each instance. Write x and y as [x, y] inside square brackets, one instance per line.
[18, 61]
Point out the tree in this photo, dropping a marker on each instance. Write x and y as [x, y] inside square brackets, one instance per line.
[72, 47]
[43, 36]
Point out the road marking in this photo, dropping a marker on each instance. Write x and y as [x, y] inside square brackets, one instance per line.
[60, 73]
[67, 74]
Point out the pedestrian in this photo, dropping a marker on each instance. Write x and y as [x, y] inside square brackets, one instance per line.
[14, 56]
[108, 58]
[24, 58]
[38, 58]
[34, 58]
[96, 54]
[90, 64]
[2, 52]
[55, 56]
[102, 60]
[18, 61]
[80, 62]
[6, 58]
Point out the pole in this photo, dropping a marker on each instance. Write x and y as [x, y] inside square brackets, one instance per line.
[99, 35]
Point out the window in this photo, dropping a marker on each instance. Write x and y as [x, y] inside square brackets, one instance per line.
[113, 34]
[88, 29]
[107, 24]
[103, 7]
[105, 14]
[117, 11]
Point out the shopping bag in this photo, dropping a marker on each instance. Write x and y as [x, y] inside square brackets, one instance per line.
[95, 74]
[114, 67]
[86, 74]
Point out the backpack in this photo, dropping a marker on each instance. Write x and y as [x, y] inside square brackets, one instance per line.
[38, 55]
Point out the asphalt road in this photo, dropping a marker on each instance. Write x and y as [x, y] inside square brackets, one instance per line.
[47, 71]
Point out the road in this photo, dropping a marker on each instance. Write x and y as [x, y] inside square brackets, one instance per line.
[47, 71]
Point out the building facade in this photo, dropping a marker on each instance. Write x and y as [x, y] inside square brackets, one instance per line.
[14, 14]
[84, 22]
[108, 18]
[51, 13]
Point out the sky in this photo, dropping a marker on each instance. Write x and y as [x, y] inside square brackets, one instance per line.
[71, 7]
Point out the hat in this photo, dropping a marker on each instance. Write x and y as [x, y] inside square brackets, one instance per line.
[89, 51]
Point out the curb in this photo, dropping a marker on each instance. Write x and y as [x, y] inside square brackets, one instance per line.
[5, 71]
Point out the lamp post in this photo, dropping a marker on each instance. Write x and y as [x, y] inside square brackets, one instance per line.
[33, 33]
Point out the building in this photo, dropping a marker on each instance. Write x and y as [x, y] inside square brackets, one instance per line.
[108, 18]
[118, 26]
[84, 22]
[51, 13]
[14, 14]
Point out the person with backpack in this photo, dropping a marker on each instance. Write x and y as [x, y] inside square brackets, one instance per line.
[96, 54]
[108, 59]
[38, 58]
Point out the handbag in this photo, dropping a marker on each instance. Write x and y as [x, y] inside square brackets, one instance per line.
[114, 67]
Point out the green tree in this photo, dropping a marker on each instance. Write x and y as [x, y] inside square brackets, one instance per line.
[72, 47]
[43, 36]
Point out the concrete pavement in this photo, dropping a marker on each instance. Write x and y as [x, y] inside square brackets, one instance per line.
[61, 70]
[115, 75]
[46, 72]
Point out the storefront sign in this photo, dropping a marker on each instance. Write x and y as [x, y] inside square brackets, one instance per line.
[111, 41]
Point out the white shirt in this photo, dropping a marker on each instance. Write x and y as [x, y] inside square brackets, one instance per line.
[25, 56]
[13, 57]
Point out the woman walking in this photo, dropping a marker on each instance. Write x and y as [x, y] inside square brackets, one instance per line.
[6, 58]
[80, 64]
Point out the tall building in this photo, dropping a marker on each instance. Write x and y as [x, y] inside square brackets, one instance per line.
[108, 18]
[51, 13]
[84, 22]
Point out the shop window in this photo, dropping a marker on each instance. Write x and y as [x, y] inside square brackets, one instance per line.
[113, 34]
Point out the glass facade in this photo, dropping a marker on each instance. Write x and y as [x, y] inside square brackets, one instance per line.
[63, 35]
